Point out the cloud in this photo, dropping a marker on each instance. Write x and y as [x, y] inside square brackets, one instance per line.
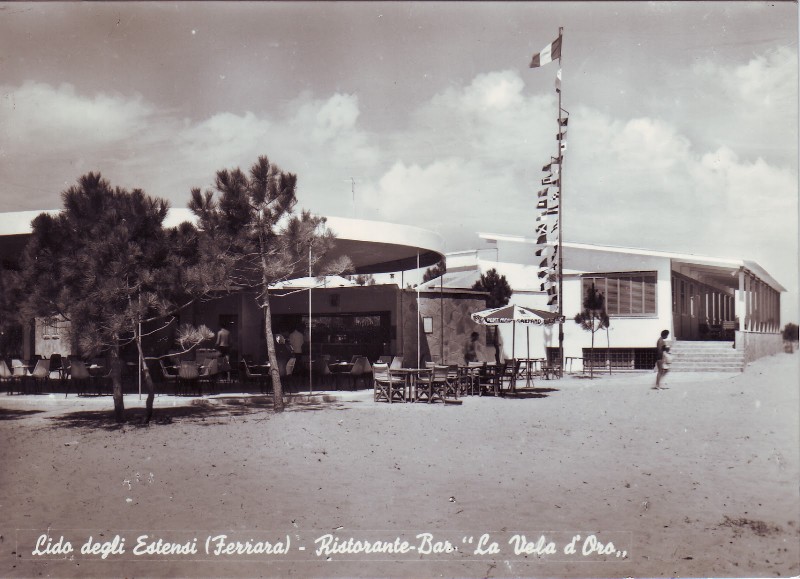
[59, 116]
[469, 159]
[751, 106]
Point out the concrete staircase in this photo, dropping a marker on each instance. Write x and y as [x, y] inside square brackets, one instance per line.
[705, 357]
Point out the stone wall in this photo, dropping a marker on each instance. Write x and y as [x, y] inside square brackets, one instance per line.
[756, 345]
[450, 326]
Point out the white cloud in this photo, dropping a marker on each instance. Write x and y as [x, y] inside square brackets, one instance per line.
[60, 116]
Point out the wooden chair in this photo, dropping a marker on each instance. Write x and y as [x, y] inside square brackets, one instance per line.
[436, 386]
[386, 386]
[508, 374]
[470, 380]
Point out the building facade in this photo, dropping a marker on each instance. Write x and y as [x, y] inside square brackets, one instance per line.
[696, 298]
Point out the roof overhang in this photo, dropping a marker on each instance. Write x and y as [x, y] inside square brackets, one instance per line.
[715, 270]
[372, 246]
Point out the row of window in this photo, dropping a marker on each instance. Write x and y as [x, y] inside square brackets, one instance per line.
[626, 294]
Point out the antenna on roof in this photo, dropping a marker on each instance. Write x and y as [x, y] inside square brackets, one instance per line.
[352, 181]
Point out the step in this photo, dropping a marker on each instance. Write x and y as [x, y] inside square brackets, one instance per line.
[709, 369]
[677, 356]
[701, 345]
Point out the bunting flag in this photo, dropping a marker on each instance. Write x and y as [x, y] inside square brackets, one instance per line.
[548, 205]
[548, 54]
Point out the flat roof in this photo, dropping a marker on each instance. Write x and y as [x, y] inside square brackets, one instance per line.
[687, 258]
[373, 246]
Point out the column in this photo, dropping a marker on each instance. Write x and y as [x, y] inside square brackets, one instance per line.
[742, 301]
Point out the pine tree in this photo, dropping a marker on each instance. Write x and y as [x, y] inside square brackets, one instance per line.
[499, 295]
[593, 317]
[107, 265]
[249, 229]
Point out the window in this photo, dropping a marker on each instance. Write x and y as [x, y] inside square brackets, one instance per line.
[626, 294]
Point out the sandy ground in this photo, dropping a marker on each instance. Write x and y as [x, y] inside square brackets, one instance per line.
[698, 480]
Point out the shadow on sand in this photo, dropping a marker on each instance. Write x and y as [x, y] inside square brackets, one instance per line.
[206, 411]
[11, 414]
[530, 393]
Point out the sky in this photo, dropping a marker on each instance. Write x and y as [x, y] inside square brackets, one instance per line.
[683, 130]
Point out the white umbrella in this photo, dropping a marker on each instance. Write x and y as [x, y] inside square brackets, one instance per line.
[515, 314]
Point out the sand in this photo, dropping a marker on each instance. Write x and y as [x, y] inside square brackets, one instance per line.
[698, 480]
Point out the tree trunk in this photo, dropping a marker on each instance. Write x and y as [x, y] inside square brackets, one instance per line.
[148, 381]
[274, 371]
[116, 381]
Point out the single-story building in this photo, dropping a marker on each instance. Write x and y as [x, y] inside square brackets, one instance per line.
[729, 307]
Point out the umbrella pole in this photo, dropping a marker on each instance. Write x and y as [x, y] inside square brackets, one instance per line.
[528, 361]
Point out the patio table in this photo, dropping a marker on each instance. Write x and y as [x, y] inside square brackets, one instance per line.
[339, 370]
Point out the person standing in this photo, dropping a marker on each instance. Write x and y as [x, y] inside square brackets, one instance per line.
[471, 349]
[223, 341]
[296, 341]
[662, 359]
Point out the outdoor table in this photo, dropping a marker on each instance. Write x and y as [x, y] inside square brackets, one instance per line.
[527, 368]
[339, 369]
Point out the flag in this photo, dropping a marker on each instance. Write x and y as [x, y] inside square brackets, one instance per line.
[543, 192]
[549, 181]
[542, 204]
[558, 81]
[563, 122]
[548, 54]
[561, 136]
[547, 167]
[563, 146]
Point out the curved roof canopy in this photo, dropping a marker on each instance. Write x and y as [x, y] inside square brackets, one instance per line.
[372, 246]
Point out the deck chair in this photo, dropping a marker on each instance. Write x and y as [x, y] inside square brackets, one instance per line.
[436, 386]
[470, 379]
[397, 362]
[387, 387]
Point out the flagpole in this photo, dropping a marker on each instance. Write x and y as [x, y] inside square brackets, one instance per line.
[560, 223]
